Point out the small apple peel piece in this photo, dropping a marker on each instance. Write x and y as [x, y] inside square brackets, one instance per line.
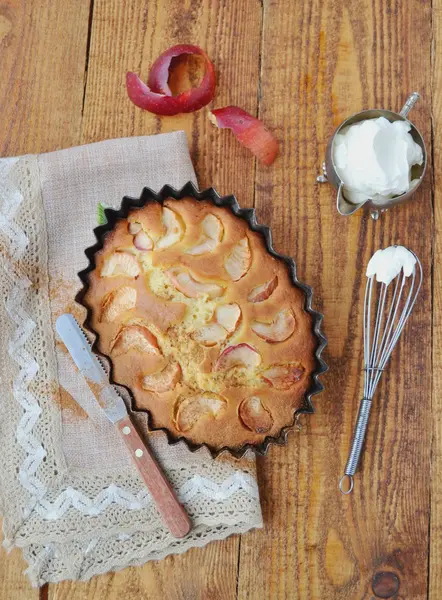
[254, 415]
[264, 291]
[163, 381]
[190, 287]
[248, 130]
[156, 97]
[279, 330]
[190, 410]
[120, 264]
[117, 302]
[240, 355]
[174, 227]
[283, 377]
[212, 233]
[135, 338]
[239, 260]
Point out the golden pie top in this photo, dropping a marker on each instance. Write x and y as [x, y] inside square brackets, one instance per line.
[201, 323]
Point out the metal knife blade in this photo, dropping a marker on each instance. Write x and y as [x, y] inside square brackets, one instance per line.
[75, 340]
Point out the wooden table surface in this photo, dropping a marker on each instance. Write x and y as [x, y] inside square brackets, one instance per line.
[303, 66]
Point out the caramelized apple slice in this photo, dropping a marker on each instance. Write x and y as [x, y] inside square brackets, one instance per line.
[280, 329]
[228, 315]
[210, 335]
[164, 381]
[211, 236]
[134, 337]
[238, 262]
[190, 287]
[191, 409]
[241, 355]
[254, 415]
[117, 302]
[264, 291]
[174, 229]
[120, 263]
[283, 377]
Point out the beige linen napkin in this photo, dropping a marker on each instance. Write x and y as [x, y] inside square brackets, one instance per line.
[69, 493]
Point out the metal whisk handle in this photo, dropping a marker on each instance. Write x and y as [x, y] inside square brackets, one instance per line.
[356, 445]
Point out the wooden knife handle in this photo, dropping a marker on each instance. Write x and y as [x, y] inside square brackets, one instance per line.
[162, 492]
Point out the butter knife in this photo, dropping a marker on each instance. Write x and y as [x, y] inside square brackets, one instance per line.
[75, 340]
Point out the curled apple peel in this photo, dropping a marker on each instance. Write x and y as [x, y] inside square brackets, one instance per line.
[156, 96]
[249, 131]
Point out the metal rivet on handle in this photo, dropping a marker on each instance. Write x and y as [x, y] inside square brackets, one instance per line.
[138, 452]
[126, 430]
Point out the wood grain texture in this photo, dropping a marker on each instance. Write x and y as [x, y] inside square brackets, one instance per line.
[14, 583]
[322, 61]
[435, 554]
[42, 59]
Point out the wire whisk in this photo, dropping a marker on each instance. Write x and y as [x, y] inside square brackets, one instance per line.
[394, 279]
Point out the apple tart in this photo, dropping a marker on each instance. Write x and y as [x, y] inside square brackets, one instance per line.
[201, 323]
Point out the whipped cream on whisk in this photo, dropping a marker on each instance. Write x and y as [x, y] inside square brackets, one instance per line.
[387, 264]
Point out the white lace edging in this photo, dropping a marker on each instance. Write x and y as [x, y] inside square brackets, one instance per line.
[39, 572]
[71, 497]
[11, 198]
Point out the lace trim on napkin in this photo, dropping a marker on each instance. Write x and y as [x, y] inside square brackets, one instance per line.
[114, 494]
[56, 562]
[28, 342]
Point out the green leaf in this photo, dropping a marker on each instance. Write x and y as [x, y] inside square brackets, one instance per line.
[101, 217]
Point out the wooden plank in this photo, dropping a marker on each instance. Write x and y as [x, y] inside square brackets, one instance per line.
[199, 573]
[43, 50]
[13, 582]
[129, 37]
[322, 61]
[435, 582]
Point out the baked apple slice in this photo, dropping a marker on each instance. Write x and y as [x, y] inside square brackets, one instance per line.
[239, 260]
[143, 242]
[163, 381]
[240, 355]
[210, 335]
[226, 320]
[134, 338]
[212, 233]
[283, 377]
[254, 415]
[194, 408]
[117, 302]
[227, 315]
[280, 329]
[263, 291]
[190, 287]
[174, 227]
[120, 263]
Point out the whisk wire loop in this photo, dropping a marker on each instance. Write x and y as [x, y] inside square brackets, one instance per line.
[390, 311]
